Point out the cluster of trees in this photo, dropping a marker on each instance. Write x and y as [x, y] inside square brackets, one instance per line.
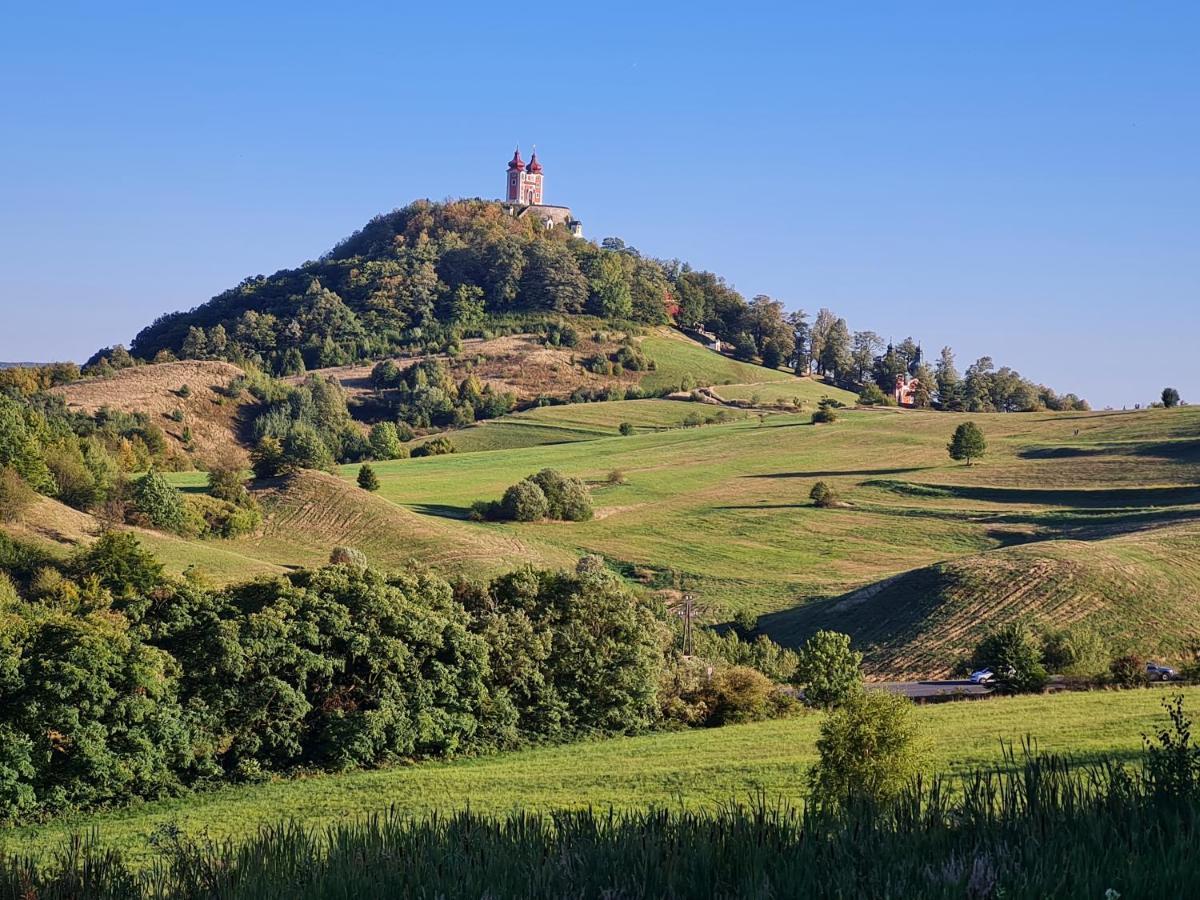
[425, 395]
[414, 279]
[547, 494]
[119, 682]
[84, 461]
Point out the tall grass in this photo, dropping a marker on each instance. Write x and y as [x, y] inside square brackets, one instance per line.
[1037, 826]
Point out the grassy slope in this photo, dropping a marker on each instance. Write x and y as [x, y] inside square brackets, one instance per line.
[1139, 590]
[677, 356]
[578, 422]
[803, 392]
[701, 767]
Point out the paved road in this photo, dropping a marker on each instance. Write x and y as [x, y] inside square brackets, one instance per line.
[925, 690]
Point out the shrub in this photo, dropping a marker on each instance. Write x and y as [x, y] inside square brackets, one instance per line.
[16, 497]
[367, 479]
[825, 415]
[590, 564]
[268, 459]
[567, 499]
[225, 483]
[159, 503]
[524, 502]
[828, 671]
[1128, 670]
[823, 495]
[869, 750]
[741, 694]
[347, 556]
[872, 395]
[625, 428]
[120, 565]
[1170, 397]
[1013, 653]
[617, 476]
[438, 446]
[745, 622]
[1077, 650]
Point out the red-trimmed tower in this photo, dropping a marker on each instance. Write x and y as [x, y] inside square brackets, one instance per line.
[516, 178]
[532, 194]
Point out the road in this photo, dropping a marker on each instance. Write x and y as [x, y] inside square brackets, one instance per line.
[928, 690]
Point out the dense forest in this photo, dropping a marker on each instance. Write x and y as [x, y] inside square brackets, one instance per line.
[419, 279]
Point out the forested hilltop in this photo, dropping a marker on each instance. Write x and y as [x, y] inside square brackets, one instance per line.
[420, 279]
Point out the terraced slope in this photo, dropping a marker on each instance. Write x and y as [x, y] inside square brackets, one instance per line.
[1140, 590]
[306, 516]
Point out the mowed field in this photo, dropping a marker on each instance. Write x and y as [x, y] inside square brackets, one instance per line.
[697, 768]
[1070, 517]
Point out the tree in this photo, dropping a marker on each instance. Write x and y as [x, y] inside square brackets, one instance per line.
[384, 441]
[771, 355]
[867, 345]
[156, 499]
[798, 322]
[1170, 397]
[367, 479]
[949, 383]
[828, 672]
[567, 499]
[869, 750]
[1014, 655]
[524, 502]
[823, 495]
[743, 347]
[267, 459]
[225, 482]
[967, 443]
[836, 358]
[348, 556]
[625, 429]
[872, 396]
[16, 497]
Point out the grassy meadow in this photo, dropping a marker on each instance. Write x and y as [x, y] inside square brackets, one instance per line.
[691, 769]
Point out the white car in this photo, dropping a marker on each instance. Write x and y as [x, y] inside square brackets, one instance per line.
[982, 676]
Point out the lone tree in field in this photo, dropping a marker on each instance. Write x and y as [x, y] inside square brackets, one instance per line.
[828, 670]
[968, 443]
[367, 479]
[869, 750]
[1170, 397]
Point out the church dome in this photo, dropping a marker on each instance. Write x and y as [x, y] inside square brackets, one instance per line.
[516, 163]
[534, 165]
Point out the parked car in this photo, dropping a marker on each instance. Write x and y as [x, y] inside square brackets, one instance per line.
[1155, 672]
[983, 676]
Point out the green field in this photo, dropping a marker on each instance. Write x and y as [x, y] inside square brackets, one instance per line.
[690, 768]
[804, 392]
[676, 357]
[580, 422]
[1070, 517]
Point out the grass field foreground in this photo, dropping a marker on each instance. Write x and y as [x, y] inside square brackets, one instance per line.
[692, 769]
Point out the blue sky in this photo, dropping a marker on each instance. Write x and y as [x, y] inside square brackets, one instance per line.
[1019, 179]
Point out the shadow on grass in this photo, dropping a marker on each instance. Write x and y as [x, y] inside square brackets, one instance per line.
[834, 473]
[1079, 498]
[442, 510]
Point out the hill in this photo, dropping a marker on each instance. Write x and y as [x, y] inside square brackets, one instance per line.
[187, 400]
[1140, 591]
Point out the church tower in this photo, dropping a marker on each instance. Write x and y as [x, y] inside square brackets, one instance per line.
[532, 194]
[516, 178]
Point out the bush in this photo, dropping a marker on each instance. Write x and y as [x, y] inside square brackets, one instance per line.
[367, 479]
[625, 428]
[872, 395]
[1077, 650]
[225, 483]
[741, 694]
[16, 497]
[869, 750]
[823, 495]
[826, 412]
[567, 499]
[828, 671]
[438, 446]
[524, 502]
[347, 556]
[745, 622]
[616, 477]
[159, 503]
[1014, 654]
[1128, 670]
[268, 459]
[1170, 397]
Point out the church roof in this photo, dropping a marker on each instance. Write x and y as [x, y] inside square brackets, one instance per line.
[534, 165]
[516, 163]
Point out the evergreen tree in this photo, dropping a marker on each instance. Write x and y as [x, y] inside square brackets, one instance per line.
[967, 443]
[367, 479]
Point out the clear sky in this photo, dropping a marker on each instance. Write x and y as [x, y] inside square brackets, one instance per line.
[1020, 179]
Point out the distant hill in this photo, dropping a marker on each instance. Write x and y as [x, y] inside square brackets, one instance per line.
[20, 365]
